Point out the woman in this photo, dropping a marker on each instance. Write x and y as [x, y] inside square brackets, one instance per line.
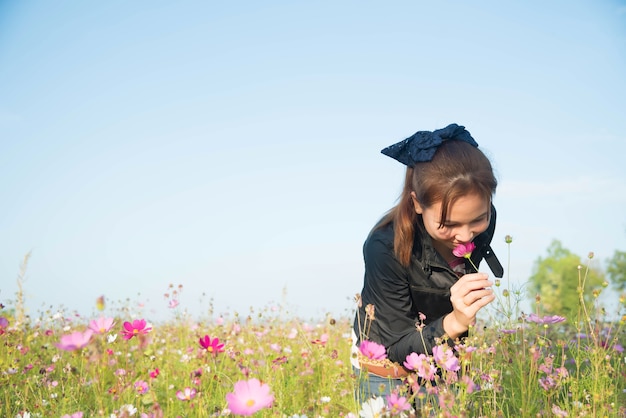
[412, 278]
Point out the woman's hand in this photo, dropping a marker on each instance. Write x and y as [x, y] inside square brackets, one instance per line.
[468, 296]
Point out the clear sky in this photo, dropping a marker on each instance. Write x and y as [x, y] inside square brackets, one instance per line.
[234, 147]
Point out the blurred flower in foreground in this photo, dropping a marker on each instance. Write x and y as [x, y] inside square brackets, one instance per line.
[137, 327]
[372, 408]
[397, 404]
[249, 397]
[373, 350]
[186, 394]
[213, 346]
[75, 340]
[101, 325]
[74, 415]
[548, 319]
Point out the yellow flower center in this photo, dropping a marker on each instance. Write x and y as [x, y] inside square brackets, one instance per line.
[249, 403]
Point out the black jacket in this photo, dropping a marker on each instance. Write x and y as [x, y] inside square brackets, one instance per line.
[399, 294]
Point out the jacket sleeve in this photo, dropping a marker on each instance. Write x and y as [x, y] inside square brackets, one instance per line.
[395, 324]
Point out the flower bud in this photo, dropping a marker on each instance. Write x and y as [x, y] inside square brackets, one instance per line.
[508, 239]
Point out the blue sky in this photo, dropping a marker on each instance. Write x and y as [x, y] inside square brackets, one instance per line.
[234, 148]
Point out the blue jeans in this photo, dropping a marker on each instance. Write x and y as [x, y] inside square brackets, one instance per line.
[370, 385]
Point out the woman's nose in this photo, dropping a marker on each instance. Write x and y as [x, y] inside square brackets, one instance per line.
[464, 234]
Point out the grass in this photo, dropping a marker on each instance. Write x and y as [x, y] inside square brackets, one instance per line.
[512, 365]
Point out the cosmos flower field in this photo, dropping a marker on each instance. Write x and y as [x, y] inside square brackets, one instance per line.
[261, 363]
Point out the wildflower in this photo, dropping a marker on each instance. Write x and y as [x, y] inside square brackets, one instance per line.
[75, 340]
[100, 303]
[78, 414]
[465, 251]
[187, 394]
[137, 327]
[325, 399]
[397, 404]
[508, 239]
[173, 303]
[558, 411]
[444, 357]
[128, 409]
[141, 386]
[422, 364]
[372, 408]
[154, 373]
[213, 346]
[548, 319]
[101, 325]
[373, 350]
[249, 397]
[111, 338]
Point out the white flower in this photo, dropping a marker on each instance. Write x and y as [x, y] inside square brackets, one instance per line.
[111, 338]
[131, 410]
[372, 408]
[325, 399]
[24, 415]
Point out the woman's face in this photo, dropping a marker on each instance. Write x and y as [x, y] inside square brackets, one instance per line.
[467, 217]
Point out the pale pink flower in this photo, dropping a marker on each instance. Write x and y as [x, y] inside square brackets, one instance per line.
[137, 327]
[446, 358]
[101, 325]
[548, 319]
[173, 303]
[75, 340]
[141, 386]
[373, 350]
[78, 414]
[249, 397]
[397, 404]
[186, 394]
[422, 365]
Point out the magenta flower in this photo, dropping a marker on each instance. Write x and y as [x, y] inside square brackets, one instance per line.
[3, 322]
[249, 397]
[137, 327]
[101, 325]
[446, 358]
[186, 394]
[464, 250]
[397, 404]
[213, 346]
[75, 340]
[548, 319]
[373, 350]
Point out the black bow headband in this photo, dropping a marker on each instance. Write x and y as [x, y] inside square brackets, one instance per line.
[421, 146]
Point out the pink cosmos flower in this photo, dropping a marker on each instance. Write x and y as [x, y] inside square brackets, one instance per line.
[464, 250]
[213, 346]
[101, 325]
[397, 404]
[141, 386]
[137, 327]
[173, 303]
[373, 350]
[186, 394]
[422, 364]
[445, 358]
[548, 319]
[249, 397]
[154, 373]
[78, 414]
[75, 340]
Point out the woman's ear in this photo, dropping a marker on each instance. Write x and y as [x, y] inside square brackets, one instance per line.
[416, 204]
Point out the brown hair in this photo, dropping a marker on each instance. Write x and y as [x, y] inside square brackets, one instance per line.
[457, 169]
